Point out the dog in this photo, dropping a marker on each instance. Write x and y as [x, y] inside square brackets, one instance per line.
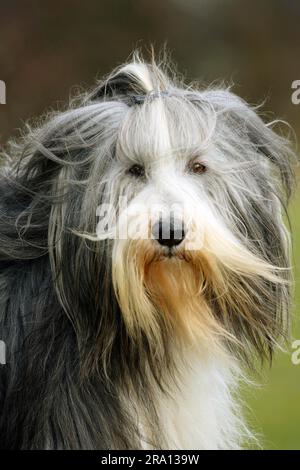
[130, 325]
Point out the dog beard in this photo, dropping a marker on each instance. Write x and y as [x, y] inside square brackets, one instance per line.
[215, 295]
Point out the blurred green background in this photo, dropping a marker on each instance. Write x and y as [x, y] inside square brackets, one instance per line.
[48, 47]
[274, 405]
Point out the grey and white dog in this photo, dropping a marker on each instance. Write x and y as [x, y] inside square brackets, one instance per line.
[137, 339]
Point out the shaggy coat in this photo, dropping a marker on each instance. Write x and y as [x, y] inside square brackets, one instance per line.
[125, 342]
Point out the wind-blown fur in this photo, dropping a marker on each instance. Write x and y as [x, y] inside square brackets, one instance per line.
[112, 344]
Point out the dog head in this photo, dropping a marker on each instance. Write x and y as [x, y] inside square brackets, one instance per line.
[165, 215]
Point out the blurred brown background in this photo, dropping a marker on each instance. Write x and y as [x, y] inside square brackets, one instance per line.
[48, 47]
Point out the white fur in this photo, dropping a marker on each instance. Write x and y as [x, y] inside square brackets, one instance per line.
[202, 411]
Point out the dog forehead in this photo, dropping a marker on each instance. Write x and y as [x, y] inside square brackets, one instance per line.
[163, 133]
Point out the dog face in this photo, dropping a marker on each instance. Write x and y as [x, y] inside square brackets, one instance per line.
[163, 207]
[200, 248]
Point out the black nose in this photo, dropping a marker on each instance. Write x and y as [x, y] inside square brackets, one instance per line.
[168, 232]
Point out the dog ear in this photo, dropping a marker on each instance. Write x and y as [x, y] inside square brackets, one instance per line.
[269, 144]
[246, 122]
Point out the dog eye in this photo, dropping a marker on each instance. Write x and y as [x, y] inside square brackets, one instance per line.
[138, 171]
[197, 168]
